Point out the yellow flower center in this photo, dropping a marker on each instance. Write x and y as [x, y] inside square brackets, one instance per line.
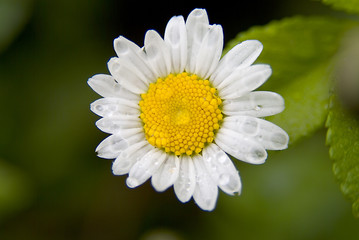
[180, 113]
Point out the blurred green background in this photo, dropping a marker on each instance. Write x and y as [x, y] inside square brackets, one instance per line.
[52, 185]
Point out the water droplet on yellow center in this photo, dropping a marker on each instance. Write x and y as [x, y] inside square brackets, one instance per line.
[180, 113]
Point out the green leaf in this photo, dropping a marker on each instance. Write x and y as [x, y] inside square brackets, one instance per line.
[351, 6]
[343, 139]
[300, 51]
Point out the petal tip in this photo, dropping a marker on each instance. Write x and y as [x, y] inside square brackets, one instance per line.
[198, 12]
[132, 182]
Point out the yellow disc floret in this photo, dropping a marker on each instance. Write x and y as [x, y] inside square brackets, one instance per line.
[181, 113]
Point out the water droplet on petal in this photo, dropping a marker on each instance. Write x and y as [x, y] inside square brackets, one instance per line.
[208, 202]
[99, 108]
[131, 182]
[250, 126]
[257, 155]
[121, 47]
[224, 179]
[222, 158]
[258, 107]
[279, 139]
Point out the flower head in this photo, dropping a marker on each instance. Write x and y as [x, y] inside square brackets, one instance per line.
[175, 110]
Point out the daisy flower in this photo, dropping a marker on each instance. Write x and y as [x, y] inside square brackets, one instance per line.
[176, 110]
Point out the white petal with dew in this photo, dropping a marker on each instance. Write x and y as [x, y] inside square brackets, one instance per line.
[186, 181]
[243, 81]
[126, 77]
[167, 174]
[240, 146]
[269, 135]
[209, 52]
[256, 104]
[176, 39]
[119, 124]
[158, 53]
[111, 147]
[240, 56]
[197, 25]
[206, 191]
[135, 59]
[145, 167]
[222, 169]
[104, 84]
[129, 157]
[112, 107]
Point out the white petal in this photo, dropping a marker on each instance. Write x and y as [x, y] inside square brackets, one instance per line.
[240, 56]
[186, 181]
[167, 174]
[158, 53]
[221, 169]
[145, 167]
[119, 124]
[176, 39]
[109, 107]
[106, 86]
[197, 25]
[244, 80]
[206, 191]
[103, 84]
[129, 157]
[210, 52]
[126, 76]
[111, 147]
[256, 104]
[240, 146]
[135, 59]
[269, 135]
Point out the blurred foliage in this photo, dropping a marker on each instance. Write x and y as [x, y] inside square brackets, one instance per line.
[343, 118]
[343, 138]
[16, 191]
[346, 70]
[289, 197]
[54, 187]
[13, 16]
[351, 6]
[300, 51]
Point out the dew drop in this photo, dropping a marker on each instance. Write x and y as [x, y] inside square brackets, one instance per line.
[260, 138]
[279, 139]
[258, 107]
[224, 179]
[208, 159]
[257, 155]
[121, 48]
[222, 158]
[250, 126]
[99, 108]
[114, 127]
[199, 179]
[112, 108]
[132, 182]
